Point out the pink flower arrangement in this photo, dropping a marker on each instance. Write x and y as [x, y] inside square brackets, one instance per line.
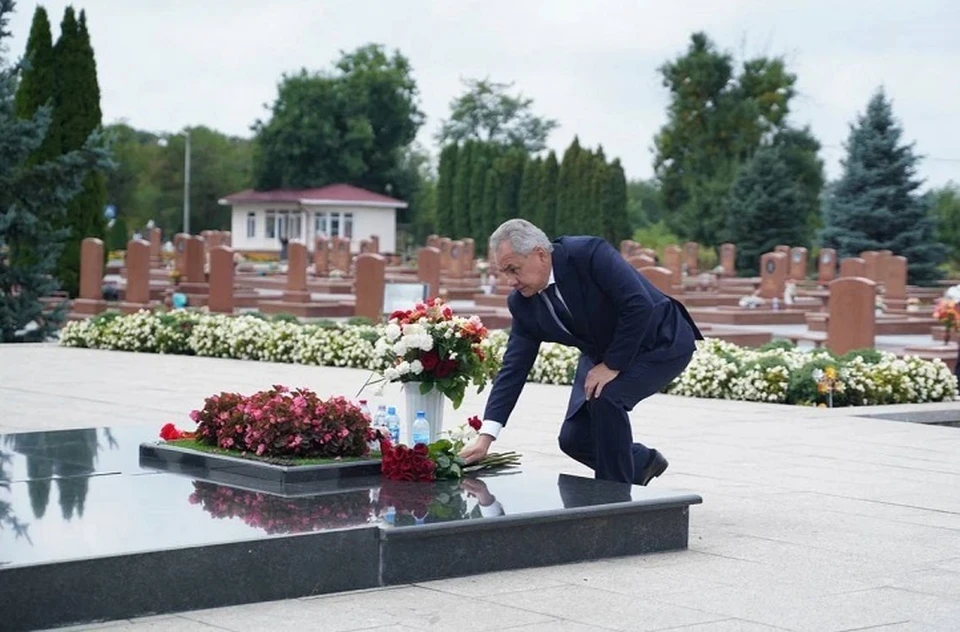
[284, 423]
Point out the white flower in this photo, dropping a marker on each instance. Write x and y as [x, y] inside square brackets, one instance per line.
[391, 375]
[400, 348]
[416, 367]
[403, 368]
[392, 332]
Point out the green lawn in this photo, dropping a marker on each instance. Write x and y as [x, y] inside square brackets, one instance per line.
[192, 444]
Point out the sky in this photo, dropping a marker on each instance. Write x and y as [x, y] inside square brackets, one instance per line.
[592, 65]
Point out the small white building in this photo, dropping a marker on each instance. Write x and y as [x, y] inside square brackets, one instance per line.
[261, 218]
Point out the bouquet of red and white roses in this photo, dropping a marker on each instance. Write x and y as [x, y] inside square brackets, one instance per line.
[428, 344]
[439, 460]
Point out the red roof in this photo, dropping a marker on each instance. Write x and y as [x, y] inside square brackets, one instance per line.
[330, 194]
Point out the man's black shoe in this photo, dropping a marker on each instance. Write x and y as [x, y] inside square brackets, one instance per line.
[657, 466]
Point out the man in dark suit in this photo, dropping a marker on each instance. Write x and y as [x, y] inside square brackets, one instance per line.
[633, 339]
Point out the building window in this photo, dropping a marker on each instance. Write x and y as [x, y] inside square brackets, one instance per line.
[271, 225]
[334, 224]
[320, 225]
[296, 225]
[251, 225]
[348, 225]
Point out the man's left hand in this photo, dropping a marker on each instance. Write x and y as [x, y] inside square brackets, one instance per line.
[598, 377]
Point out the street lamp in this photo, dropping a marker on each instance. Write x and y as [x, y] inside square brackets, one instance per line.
[186, 183]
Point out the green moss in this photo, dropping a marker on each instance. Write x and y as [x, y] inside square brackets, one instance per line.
[192, 444]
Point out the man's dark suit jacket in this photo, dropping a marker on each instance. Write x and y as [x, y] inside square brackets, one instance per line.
[619, 319]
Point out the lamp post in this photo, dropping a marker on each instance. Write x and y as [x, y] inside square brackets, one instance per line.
[186, 184]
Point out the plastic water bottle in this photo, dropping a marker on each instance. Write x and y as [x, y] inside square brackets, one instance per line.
[393, 425]
[420, 431]
[380, 421]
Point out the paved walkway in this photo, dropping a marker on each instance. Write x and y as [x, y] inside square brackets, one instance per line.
[812, 519]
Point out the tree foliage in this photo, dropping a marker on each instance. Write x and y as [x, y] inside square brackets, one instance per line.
[875, 204]
[717, 118]
[350, 125]
[944, 205]
[33, 202]
[486, 112]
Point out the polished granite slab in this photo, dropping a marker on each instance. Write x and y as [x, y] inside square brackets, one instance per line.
[80, 509]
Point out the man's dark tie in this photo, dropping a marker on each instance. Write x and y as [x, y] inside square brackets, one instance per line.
[561, 310]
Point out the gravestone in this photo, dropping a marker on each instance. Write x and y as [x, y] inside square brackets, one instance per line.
[640, 262]
[671, 261]
[428, 269]
[648, 252]
[321, 256]
[155, 236]
[341, 254]
[469, 255]
[90, 301]
[661, 278]
[896, 280]
[853, 267]
[221, 280]
[180, 250]
[827, 265]
[433, 241]
[691, 251]
[375, 240]
[773, 274]
[629, 248]
[137, 263]
[798, 263]
[851, 320]
[457, 263]
[297, 257]
[207, 236]
[366, 247]
[370, 280]
[227, 239]
[196, 257]
[445, 244]
[728, 259]
[782, 248]
[871, 261]
[883, 262]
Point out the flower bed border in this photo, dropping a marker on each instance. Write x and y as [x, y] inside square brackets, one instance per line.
[163, 456]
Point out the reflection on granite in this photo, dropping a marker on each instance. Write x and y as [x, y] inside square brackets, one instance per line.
[108, 506]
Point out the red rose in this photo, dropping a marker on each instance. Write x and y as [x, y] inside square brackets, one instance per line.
[429, 360]
[169, 432]
[445, 368]
[475, 423]
[400, 315]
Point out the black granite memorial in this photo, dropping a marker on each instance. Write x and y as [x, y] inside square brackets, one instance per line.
[91, 530]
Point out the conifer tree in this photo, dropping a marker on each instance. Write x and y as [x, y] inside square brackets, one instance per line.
[76, 115]
[547, 211]
[33, 199]
[38, 82]
[447, 172]
[568, 191]
[530, 189]
[875, 205]
[461, 192]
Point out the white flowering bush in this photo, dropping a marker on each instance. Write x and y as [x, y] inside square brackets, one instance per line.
[776, 373]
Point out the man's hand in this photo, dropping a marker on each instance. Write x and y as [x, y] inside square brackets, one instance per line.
[477, 450]
[598, 377]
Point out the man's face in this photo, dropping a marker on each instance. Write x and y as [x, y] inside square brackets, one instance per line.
[528, 274]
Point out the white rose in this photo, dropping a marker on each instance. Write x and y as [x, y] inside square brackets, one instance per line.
[400, 348]
[403, 368]
[416, 367]
[391, 375]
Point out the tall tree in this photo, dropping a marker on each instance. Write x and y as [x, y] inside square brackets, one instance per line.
[487, 112]
[614, 204]
[716, 120]
[547, 209]
[875, 205]
[530, 189]
[33, 198]
[771, 207]
[76, 115]
[510, 172]
[568, 192]
[347, 125]
[491, 195]
[479, 205]
[461, 192]
[38, 82]
[944, 205]
[447, 172]
[644, 203]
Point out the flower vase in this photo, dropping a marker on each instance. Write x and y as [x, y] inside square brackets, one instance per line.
[431, 403]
